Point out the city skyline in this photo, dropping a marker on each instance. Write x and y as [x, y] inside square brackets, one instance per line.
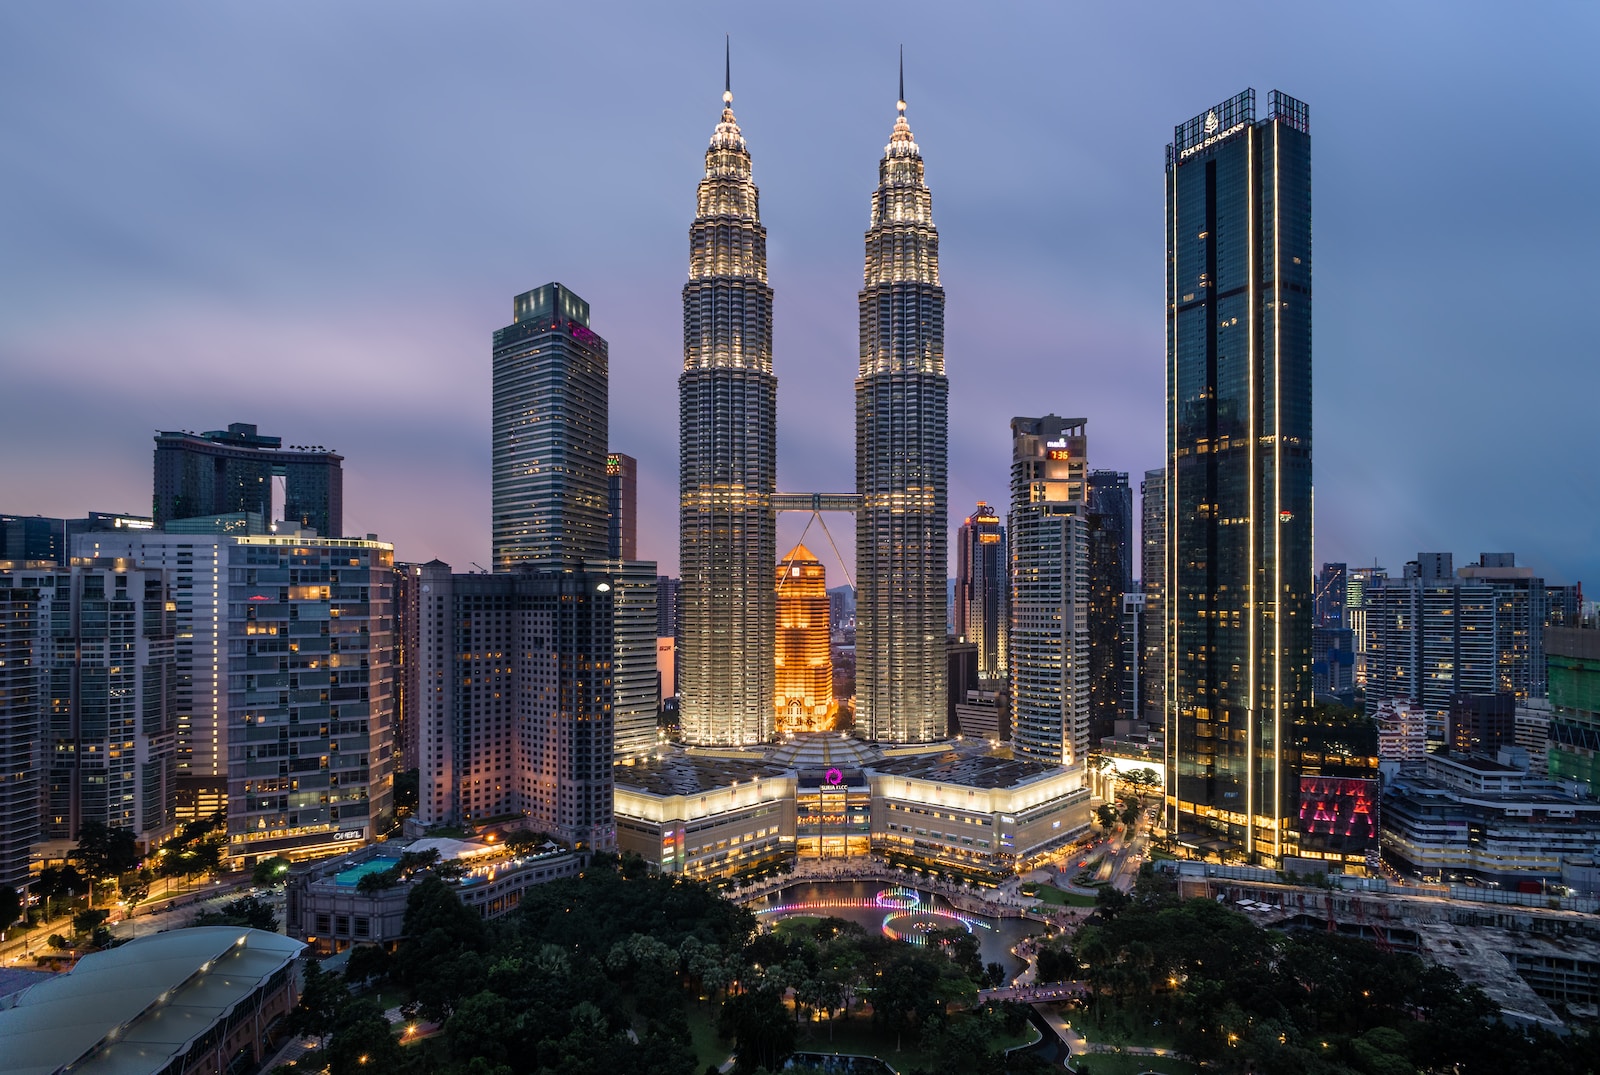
[1076, 294]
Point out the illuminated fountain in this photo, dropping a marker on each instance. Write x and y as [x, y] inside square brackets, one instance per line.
[910, 918]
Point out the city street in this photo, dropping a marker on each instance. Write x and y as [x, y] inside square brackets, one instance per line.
[167, 912]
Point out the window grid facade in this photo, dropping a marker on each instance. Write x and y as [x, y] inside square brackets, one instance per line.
[902, 449]
[1239, 578]
[727, 395]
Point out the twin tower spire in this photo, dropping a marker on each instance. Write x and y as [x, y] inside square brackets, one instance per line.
[727, 457]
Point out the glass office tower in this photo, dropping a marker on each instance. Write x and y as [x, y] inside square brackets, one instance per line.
[550, 398]
[983, 589]
[1239, 580]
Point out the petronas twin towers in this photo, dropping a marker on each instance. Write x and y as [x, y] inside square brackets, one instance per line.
[728, 459]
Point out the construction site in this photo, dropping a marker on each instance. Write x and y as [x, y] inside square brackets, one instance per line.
[1540, 964]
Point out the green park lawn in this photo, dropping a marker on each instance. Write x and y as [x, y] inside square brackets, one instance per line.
[708, 1048]
[1053, 895]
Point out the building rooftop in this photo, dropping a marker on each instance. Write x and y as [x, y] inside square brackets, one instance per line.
[678, 772]
[133, 1008]
[823, 750]
[694, 772]
[967, 767]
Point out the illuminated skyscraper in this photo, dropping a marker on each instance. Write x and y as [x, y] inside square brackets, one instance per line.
[727, 398]
[550, 419]
[804, 658]
[1049, 530]
[1110, 578]
[622, 498]
[1239, 593]
[1153, 581]
[983, 589]
[902, 403]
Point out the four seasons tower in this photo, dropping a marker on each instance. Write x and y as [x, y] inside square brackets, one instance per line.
[727, 399]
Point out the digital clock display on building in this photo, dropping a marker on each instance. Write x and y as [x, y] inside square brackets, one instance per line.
[1060, 454]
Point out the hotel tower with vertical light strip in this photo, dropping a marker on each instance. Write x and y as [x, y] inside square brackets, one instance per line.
[1238, 493]
[727, 536]
[902, 406]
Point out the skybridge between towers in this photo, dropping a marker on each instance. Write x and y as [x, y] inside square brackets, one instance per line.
[816, 504]
[850, 502]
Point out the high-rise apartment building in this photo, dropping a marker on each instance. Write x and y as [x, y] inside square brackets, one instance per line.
[86, 706]
[407, 666]
[1563, 605]
[231, 470]
[109, 651]
[1110, 503]
[1049, 530]
[804, 657]
[1130, 704]
[198, 566]
[1153, 581]
[1239, 587]
[622, 498]
[1437, 632]
[902, 407]
[1359, 580]
[285, 683]
[550, 421]
[634, 701]
[21, 717]
[727, 397]
[515, 714]
[310, 694]
[668, 594]
[983, 589]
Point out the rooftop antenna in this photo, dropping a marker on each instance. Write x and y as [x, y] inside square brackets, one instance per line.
[727, 69]
[901, 103]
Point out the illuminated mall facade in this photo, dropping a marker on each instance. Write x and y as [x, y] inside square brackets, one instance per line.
[955, 806]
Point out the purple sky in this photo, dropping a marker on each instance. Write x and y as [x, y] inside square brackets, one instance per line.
[312, 217]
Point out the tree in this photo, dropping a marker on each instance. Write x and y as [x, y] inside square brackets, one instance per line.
[10, 908]
[322, 996]
[363, 1040]
[1130, 814]
[762, 1032]
[85, 922]
[56, 882]
[104, 852]
[1106, 814]
[378, 880]
[367, 961]
[1111, 901]
[1144, 781]
[134, 886]
[245, 911]
[271, 871]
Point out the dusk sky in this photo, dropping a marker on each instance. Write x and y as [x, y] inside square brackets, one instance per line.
[313, 216]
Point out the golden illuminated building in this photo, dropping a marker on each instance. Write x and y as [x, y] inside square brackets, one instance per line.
[804, 663]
